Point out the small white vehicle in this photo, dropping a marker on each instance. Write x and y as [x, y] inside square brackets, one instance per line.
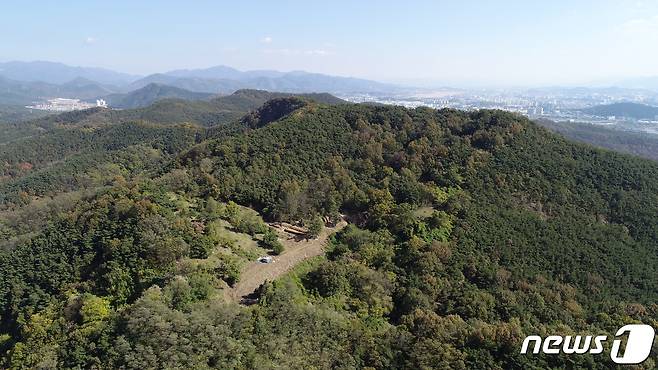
[266, 259]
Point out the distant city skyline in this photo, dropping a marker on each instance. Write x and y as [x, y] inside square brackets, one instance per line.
[432, 43]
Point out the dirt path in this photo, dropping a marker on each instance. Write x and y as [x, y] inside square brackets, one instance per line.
[256, 273]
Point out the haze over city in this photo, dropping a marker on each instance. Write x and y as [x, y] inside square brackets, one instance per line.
[420, 43]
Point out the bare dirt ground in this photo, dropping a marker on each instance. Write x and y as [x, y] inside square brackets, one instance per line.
[255, 273]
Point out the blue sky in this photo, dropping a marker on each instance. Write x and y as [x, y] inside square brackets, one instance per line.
[443, 42]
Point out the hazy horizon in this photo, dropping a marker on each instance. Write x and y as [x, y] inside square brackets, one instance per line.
[444, 43]
[408, 82]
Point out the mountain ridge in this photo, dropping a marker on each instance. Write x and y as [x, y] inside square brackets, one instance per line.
[215, 79]
[151, 93]
[26, 92]
[222, 79]
[467, 232]
[59, 73]
[624, 109]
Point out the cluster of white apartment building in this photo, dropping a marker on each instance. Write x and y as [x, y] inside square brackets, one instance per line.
[67, 105]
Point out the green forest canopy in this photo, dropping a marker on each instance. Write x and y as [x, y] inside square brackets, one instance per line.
[522, 232]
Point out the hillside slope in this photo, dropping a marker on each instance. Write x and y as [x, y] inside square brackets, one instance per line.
[14, 92]
[63, 155]
[632, 142]
[217, 111]
[468, 231]
[631, 110]
[168, 111]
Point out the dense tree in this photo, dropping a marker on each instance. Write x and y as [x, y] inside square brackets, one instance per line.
[467, 232]
[315, 226]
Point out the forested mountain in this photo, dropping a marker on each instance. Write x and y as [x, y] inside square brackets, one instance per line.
[213, 112]
[151, 93]
[79, 150]
[14, 92]
[467, 231]
[83, 88]
[196, 84]
[640, 144]
[630, 110]
[17, 113]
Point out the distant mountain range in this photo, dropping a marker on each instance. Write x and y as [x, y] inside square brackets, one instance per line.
[630, 110]
[223, 79]
[13, 92]
[151, 93]
[194, 84]
[24, 82]
[58, 73]
[224, 73]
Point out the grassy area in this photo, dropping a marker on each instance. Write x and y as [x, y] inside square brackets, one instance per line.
[240, 244]
[424, 212]
[296, 275]
[235, 232]
[303, 268]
